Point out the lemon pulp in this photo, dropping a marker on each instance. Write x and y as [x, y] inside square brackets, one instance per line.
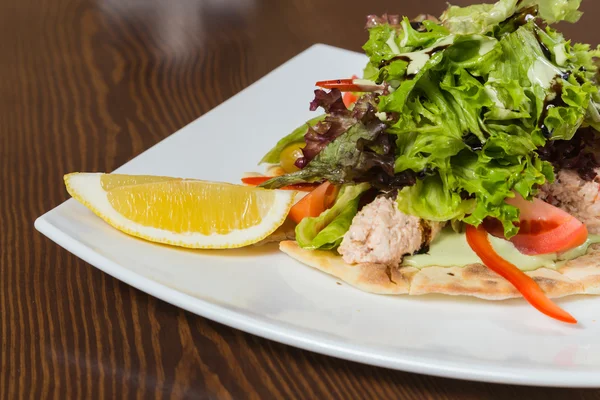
[111, 181]
[183, 206]
[182, 212]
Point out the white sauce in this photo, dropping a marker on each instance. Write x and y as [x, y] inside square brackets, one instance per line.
[560, 54]
[364, 82]
[418, 59]
[450, 249]
[542, 72]
[404, 40]
[503, 113]
[486, 45]
[391, 42]
[381, 115]
[493, 94]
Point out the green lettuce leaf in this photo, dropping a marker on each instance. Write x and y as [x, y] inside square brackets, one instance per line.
[553, 11]
[390, 47]
[428, 131]
[297, 135]
[565, 118]
[509, 101]
[492, 181]
[478, 18]
[383, 44]
[410, 37]
[328, 229]
[475, 53]
[483, 18]
[432, 199]
[395, 101]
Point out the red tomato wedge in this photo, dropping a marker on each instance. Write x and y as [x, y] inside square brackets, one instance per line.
[349, 98]
[314, 203]
[479, 242]
[543, 228]
[257, 180]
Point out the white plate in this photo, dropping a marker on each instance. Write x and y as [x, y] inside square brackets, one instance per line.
[263, 292]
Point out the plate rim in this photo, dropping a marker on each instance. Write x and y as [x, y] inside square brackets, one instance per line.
[291, 337]
[294, 337]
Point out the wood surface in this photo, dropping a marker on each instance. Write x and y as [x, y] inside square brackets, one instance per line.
[87, 85]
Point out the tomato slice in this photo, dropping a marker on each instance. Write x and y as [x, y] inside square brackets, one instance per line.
[479, 242]
[257, 180]
[314, 203]
[349, 98]
[543, 228]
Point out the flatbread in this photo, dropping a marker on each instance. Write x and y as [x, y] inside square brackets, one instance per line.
[370, 277]
[578, 276]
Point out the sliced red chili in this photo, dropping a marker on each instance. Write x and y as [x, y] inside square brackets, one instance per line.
[349, 85]
[480, 243]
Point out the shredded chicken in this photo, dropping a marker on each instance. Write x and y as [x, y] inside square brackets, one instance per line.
[382, 234]
[579, 198]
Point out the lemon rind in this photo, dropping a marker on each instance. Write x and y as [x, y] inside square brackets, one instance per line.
[86, 188]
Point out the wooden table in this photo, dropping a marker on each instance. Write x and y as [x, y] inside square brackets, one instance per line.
[87, 85]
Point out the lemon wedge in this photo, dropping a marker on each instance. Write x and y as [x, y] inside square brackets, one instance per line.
[182, 212]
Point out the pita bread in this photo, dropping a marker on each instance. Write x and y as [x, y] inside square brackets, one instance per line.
[578, 276]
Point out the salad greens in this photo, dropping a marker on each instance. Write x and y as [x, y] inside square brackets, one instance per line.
[473, 109]
[477, 110]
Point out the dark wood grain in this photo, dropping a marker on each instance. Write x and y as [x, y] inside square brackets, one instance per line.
[87, 85]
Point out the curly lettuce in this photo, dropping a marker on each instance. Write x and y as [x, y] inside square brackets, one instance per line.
[474, 109]
[483, 18]
[481, 106]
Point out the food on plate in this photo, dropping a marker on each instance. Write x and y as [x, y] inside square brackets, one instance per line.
[465, 158]
[462, 162]
[183, 212]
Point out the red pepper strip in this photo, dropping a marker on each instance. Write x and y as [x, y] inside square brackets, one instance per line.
[348, 85]
[257, 180]
[479, 242]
